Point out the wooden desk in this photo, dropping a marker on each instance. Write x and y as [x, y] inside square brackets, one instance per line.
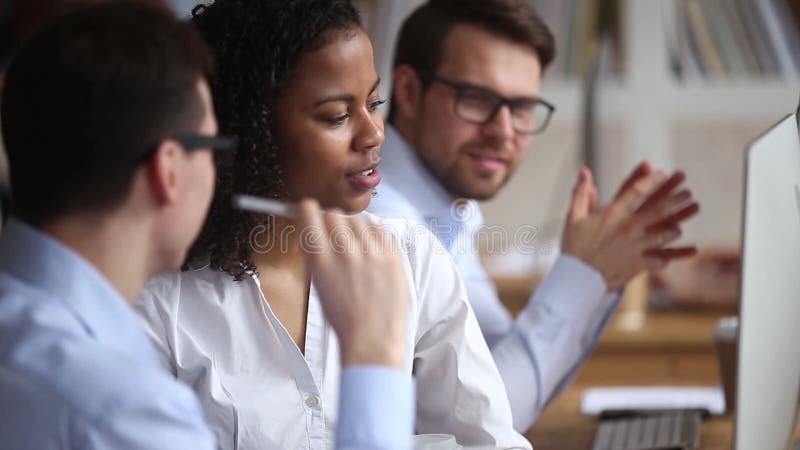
[670, 349]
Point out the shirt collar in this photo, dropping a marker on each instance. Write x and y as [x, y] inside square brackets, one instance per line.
[45, 263]
[406, 174]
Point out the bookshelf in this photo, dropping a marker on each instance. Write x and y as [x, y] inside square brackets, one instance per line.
[644, 110]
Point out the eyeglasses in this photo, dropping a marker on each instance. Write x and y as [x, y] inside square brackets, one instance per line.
[218, 144]
[478, 105]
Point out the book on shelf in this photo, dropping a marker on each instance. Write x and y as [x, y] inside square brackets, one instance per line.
[578, 27]
[733, 39]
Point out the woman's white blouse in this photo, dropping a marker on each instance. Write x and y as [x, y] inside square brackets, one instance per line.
[259, 391]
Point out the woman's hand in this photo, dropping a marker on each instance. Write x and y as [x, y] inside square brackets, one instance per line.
[357, 270]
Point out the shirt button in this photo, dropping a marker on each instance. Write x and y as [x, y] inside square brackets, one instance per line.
[312, 401]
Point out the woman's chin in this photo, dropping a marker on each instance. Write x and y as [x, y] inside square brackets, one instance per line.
[352, 205]
[359, 204]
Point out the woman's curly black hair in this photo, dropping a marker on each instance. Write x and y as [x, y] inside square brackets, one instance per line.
[257, 45]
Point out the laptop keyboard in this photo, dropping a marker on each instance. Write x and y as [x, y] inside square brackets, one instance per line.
[675, 430]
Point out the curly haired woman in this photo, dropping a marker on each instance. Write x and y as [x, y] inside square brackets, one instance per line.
[243, 325]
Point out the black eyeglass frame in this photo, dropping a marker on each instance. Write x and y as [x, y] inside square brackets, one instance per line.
[218, 144]
[511, 102]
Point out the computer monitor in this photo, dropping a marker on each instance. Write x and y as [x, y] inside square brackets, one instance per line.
[769, 323]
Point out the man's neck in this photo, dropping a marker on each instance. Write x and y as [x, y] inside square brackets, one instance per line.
[118, 249]
[405, 129]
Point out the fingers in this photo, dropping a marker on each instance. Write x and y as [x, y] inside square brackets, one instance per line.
[663, 213]
[654, 263]
[593, 198]
[665, 233]
[314, 234]
[660, 238]
[673, 219]
[663, 191]
[623, 206]
[369, 235]
[341, 238]
[335, 234]
[644, 168]
[583, 195]
[657, 259]
[671, 253]
[681, 196]
[357, 224]
[309, 213]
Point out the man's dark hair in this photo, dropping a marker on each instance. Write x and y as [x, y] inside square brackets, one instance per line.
[421, 40]
[88, 96]
[7, 39]
[257, 46]
[21, 18]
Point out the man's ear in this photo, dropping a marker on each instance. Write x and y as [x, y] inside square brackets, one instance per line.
[163, 171]
[407, 90]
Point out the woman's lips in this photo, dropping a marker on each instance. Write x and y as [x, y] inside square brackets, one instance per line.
[367, 180]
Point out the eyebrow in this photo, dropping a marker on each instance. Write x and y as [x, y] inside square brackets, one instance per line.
[478, 87]
[345, 97]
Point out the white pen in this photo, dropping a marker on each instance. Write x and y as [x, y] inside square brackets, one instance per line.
[264, 206]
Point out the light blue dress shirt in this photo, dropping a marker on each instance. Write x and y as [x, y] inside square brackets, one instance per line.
[538, 353]
[77, 371]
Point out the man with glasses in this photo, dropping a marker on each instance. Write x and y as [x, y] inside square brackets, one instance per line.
[111, 133]
[465, 104]
[105, 196]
